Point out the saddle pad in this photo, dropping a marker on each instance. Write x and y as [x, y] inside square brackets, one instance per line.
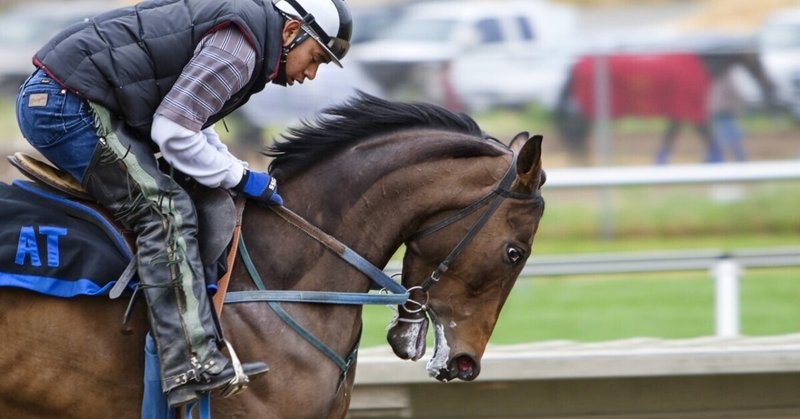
[55, 246]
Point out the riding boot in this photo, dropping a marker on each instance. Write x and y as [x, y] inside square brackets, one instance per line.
[125, 178]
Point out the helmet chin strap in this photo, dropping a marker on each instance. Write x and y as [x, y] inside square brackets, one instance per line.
[281, 77]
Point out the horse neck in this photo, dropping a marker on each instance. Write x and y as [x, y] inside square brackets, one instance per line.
[373, 197]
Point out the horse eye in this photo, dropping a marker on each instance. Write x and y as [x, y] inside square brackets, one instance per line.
[514, 254]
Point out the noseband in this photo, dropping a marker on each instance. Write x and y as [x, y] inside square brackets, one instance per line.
[493, 200]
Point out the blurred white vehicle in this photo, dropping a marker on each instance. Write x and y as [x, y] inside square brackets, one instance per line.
[27, 27]
[475, 48]
[779, 44]
[487, 79]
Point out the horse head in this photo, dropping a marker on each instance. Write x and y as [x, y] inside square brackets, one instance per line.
[461, 265]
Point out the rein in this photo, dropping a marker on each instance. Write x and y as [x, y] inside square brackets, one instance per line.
[348, 255]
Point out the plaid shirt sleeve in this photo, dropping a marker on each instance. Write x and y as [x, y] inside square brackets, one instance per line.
[222, 64]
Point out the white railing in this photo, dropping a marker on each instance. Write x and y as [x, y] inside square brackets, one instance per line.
[591, 177]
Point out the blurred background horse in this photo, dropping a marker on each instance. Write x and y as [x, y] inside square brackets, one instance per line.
[671, 85]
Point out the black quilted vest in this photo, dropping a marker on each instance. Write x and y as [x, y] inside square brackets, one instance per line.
[128, 59]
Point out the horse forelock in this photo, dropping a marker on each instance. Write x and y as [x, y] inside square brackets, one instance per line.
[365, 117]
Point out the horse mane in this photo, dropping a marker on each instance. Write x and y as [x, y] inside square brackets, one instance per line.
[360, 117]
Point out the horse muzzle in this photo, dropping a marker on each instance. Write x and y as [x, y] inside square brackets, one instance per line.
[407, 339]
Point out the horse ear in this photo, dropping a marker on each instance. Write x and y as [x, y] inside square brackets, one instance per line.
[518, 141]
[529, 164]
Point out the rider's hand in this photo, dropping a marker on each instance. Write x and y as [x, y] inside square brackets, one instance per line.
[259, 186]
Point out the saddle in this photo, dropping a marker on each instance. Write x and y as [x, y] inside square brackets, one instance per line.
[41, 172]
[215, 208]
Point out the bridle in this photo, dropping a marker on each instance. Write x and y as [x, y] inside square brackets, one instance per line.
[492, 201]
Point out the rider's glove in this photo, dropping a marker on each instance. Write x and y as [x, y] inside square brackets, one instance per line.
[259, 186]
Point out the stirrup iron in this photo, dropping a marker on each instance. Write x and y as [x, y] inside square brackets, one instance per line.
[239, 382]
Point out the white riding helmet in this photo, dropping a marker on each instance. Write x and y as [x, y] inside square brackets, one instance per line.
[327, 21]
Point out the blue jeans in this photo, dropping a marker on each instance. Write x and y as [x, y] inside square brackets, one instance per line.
[727, 133]
[57, 123]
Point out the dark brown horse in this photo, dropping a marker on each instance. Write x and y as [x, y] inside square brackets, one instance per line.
[375, 175]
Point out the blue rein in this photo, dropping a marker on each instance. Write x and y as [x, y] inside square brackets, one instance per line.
[397, 294]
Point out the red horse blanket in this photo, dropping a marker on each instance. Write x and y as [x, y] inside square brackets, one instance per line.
[674, 86]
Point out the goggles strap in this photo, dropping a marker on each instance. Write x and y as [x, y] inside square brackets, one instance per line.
[302, 36]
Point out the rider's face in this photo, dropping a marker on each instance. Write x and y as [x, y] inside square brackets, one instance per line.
[304, 60]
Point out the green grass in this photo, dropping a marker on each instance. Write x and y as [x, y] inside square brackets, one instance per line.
[597, 308]
[668, 213]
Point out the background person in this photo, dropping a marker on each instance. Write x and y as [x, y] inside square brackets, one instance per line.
[725, 105]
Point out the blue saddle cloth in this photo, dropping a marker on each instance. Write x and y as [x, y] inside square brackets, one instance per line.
[56, 246]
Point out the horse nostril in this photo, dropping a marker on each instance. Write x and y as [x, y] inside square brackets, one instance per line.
[465, 367]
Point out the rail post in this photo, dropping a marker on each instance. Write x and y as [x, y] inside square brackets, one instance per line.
[726, 274]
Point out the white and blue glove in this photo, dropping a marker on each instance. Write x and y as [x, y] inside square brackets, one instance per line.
[259, 186]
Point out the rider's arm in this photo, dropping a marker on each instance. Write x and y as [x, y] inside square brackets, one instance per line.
[193, 154]
[213, 138]
[223, 63]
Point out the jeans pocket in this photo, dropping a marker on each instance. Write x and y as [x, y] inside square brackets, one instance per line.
[39, 114]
